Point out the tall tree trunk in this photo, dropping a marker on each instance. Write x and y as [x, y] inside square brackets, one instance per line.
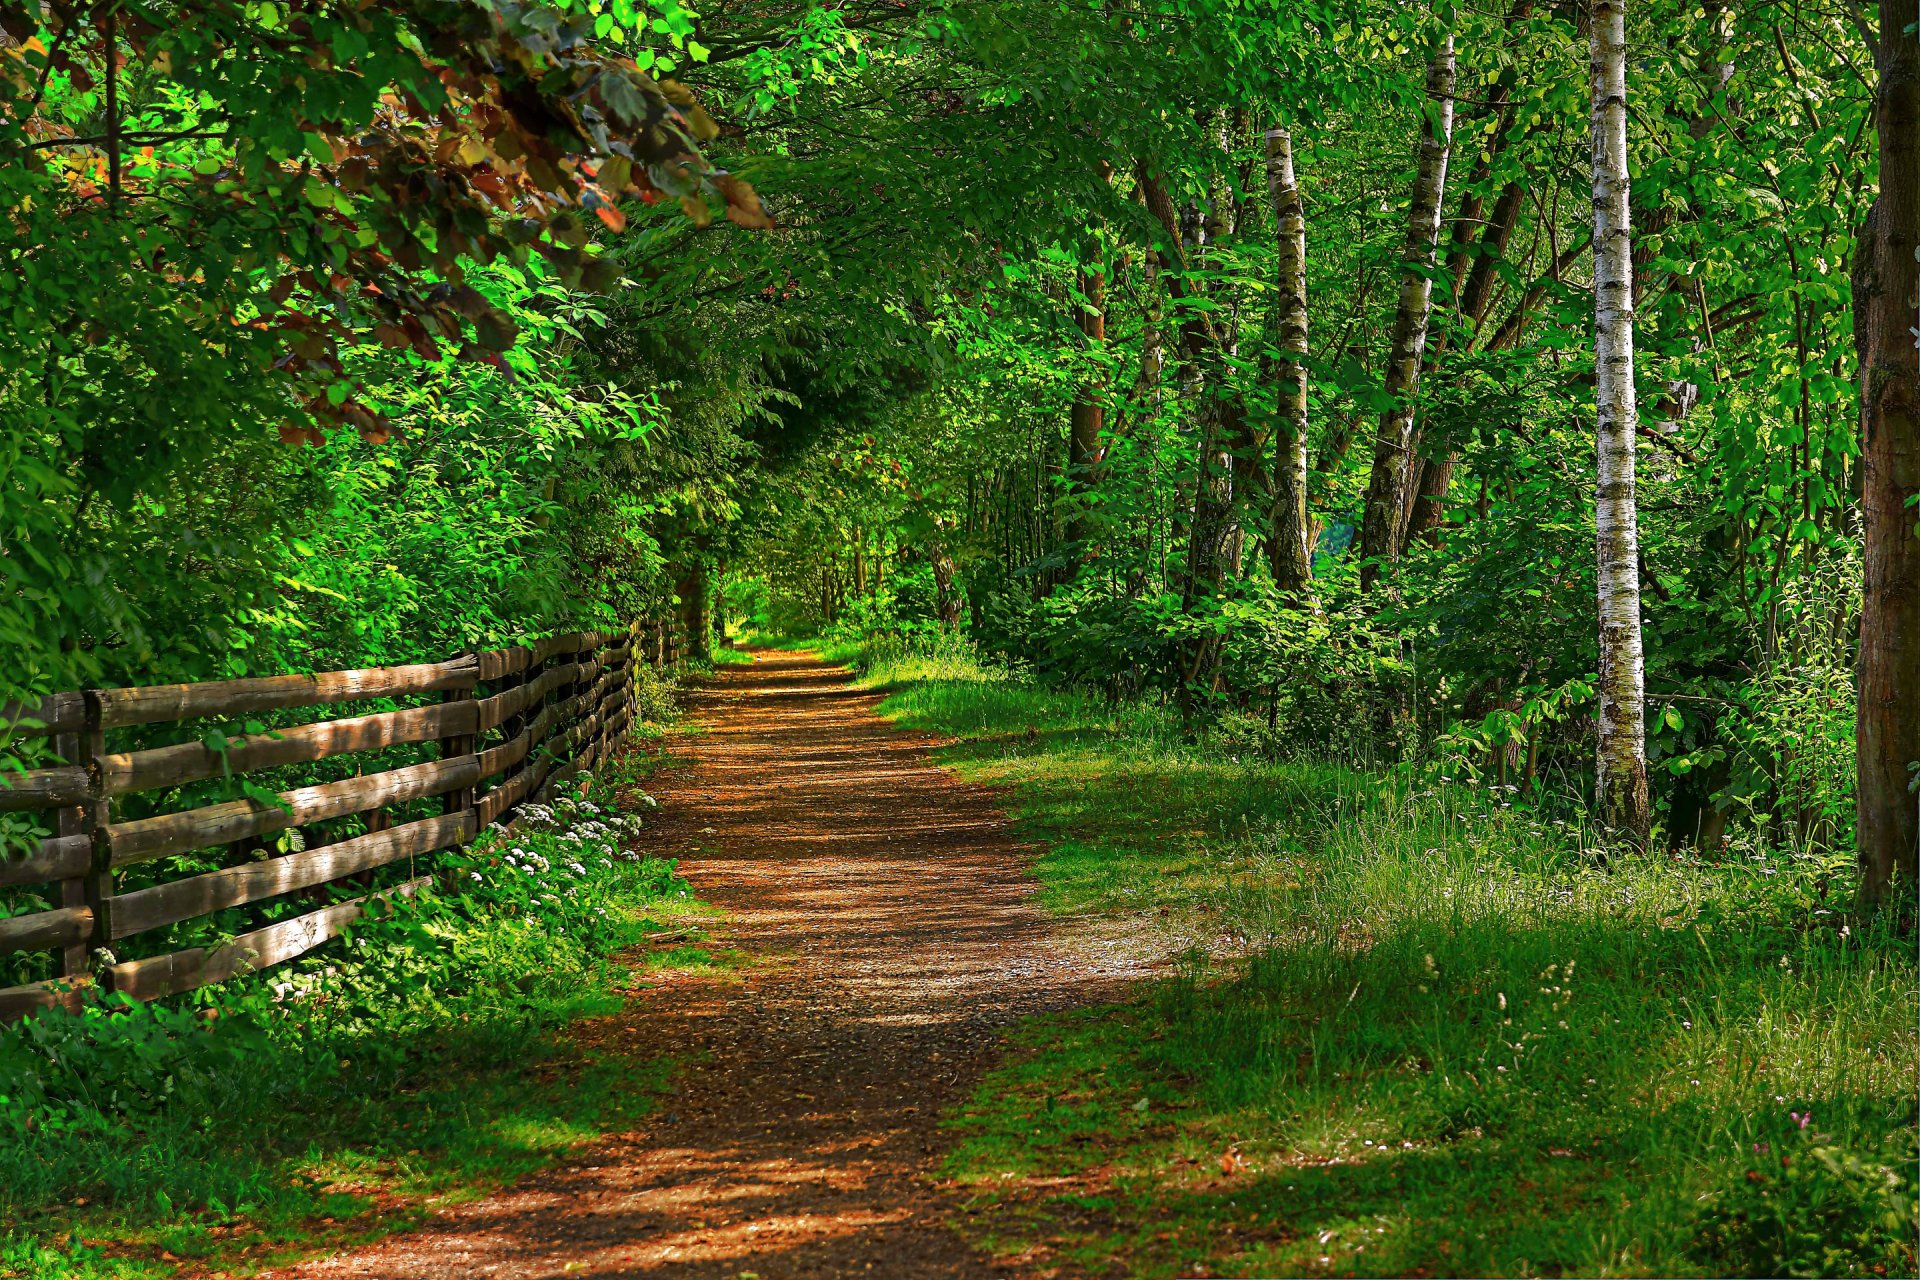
[1884, 318]
[1223, 435]
[1083, 437]
[1392, 464]
[1621, 772]
[946, 603]
[1287, 548]
[1436, 474]
[696, 618]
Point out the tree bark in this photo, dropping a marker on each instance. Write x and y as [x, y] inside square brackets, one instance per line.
[695, 618]
[1223, 438]
[1621, 766]
[1088, 415]
[1436, 474]
[946, 603]
[1392, 464]
[1288, 551]
[1888, 725]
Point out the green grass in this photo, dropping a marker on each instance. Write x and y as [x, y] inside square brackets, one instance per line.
[469, 1047]
[1427, 1033]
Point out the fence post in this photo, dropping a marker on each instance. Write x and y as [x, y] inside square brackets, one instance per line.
[459, 745]
[514, 725]
[95, 890]
[72, 822]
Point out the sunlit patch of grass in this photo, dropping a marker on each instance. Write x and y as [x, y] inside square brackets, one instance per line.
[1446, 1038]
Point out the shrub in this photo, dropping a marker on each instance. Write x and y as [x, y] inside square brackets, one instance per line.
[1810, 1207]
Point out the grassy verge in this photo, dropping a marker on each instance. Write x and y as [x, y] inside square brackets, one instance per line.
[441, 1053]
[1429, 1033]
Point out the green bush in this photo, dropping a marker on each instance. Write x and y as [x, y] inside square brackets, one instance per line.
[1811, 1207]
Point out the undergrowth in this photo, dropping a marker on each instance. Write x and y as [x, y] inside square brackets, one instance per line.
[1421, 1028]
[431, 1056]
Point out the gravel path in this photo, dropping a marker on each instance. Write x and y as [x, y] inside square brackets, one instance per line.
[889, 917]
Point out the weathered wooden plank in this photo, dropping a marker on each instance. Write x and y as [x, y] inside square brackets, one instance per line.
[45, 930]
[495, 759]
[496, 664]
[489, 807]
[192, 761]
[18, 1002]
[56, 858]
[455, 747]
[172, 833]
[565, 770]
[560, 646]
[56, 713]
[155, 703]
[504, 706]
[250, 952]
[562, 746]
[254, 881]
[55, 788]
[557, 714]
[614, 697]
[556, 718]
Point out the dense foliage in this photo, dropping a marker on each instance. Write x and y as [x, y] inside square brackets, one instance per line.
[1024, 341]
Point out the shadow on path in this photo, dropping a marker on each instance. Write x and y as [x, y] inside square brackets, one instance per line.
[894, 938]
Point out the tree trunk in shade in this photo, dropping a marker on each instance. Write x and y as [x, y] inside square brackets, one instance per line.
[1089, 416]
[1885, 318]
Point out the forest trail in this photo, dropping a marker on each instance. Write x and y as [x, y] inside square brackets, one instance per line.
[889, 918]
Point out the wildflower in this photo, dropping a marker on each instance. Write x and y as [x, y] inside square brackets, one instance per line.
[1803, 1119]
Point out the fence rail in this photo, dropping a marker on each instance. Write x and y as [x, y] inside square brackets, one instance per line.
[512, 725]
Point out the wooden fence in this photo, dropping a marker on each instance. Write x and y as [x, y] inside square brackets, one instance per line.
[511, 725]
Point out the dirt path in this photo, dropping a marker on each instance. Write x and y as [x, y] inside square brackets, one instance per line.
[889, 914]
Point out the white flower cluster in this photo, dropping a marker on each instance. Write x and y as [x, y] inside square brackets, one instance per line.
[555, 849]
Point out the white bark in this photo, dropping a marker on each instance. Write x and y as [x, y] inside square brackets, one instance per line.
[1288, 551]
[1621, 770]
[1381, 522]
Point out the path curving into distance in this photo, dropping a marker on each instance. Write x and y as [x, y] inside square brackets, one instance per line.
[890, 920]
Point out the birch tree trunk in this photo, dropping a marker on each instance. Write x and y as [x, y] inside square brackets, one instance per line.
[1392, 464]
[1621, 768]
[1888, 726]
[1436, 474]
[1287, 548]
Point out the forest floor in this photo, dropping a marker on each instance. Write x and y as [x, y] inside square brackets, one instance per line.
[887, 939]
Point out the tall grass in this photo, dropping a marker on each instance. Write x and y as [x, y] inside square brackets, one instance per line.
[1434, 1029]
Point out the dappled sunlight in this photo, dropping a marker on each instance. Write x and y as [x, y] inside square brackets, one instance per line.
[894, 939]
